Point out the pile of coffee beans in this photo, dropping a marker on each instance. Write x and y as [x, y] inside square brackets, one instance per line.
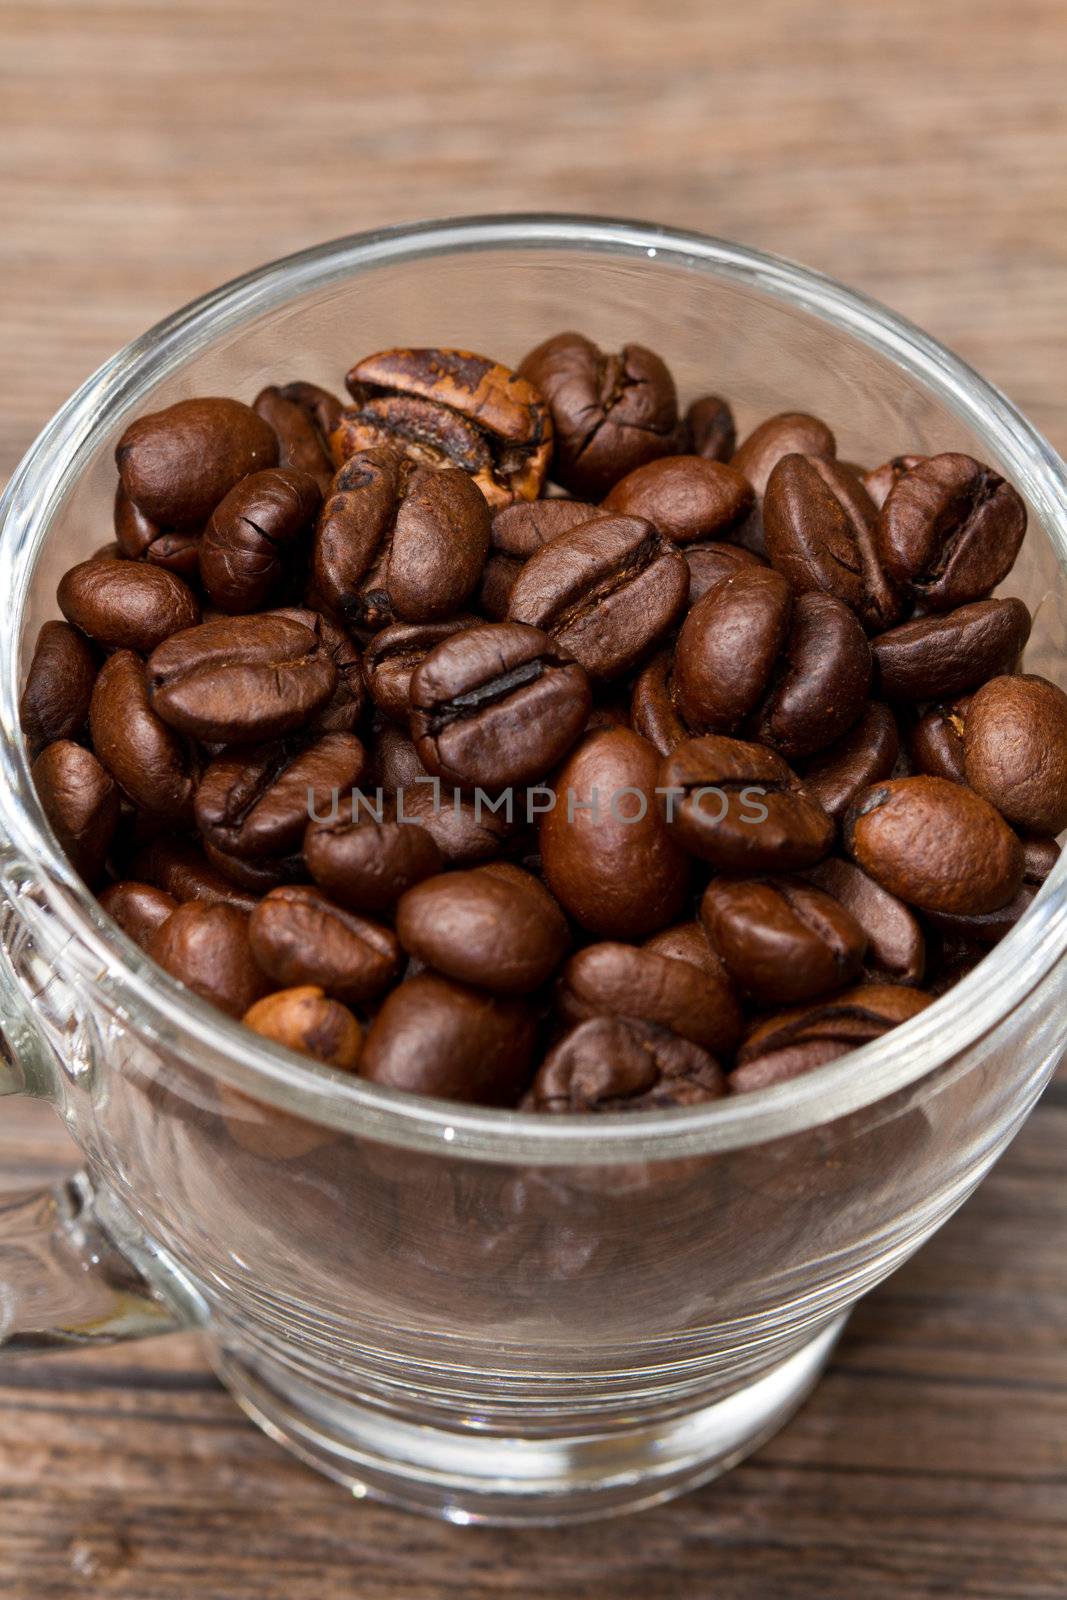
[518, 738]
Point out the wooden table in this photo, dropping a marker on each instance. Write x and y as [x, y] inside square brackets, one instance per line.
[917, 150]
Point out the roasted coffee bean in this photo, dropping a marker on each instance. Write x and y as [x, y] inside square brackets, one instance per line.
[1015, 750]
[939, 657]
[781, 940]
[525, 528]
[624, 1064]
[710, 427]
[138, 908]
[607, 591]
[265, 1132]
[154, 766]
[81, 802]
[344, 708]
[495, 927]
[206, 947]
[866, 753]
[392, 656]
[797, 1041]
[879, 482]
[255, 537]
[398, 542]
[467, 830]
[140, 539]
[653, 711]
[788, 433]
[260, 876]
[981, 932]
[950, 529]
[728, 649]
[367, 864]
[396, 763]
[301, 443]
[450, 408]
[821, 529]
[935, 844]
[433, 1036]
[687, 941]
[59, 686]
[935, 743]
[611, 413]
[257, 803]
[708, 563]
[497, 705]
[177, 464]
[124, 605]
[300, 937]
[607, 854]
[241, 680]
[896, 949]
[321, 406]
[618, 980]
[1039, 858]
[304, 1020]
[823, 680]
[685, 497]
[181, 869]
[739, 806]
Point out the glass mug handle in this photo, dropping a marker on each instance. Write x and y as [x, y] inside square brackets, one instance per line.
[64, 1278]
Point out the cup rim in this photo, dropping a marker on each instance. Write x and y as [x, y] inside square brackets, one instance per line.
[100, 954]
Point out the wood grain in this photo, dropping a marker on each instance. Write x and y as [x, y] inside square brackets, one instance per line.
[918, 151]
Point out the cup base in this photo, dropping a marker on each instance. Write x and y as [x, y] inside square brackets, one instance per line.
[468, 1476]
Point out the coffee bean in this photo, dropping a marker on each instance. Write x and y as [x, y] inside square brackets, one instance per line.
[392, 656]
[879, 482]
[321, 406]
[935, 844]
[301, 443]
[708, 563]
[80, 801]
[260, 876]
[433, 1036]
[366, 864]
[896, 949]
[206, 947]
[739, 806]
[789, 433]
[177, 464]
[936, 658]
[525, 528]
[981, 932]
[653, 711]
[685, 497]
[138, 908]
[59, 686]
[624, 1064]
[709, 424]
[935, 744]
[255, 537]
[866, 753]
[300, 937]
[495, 927]
[607, 591]
[951, 529]
[258, 803]
[797, 1041]
[344, 708]
[465, 829]
[140, 539]
[304, 1020]
[154, 766]
[823, 680]
[124, 605]
[241, 680]
[617, 980]
[497, 705]
[780, 940]
[1039, 858]
[265, 1132]
[687, 941]
[611, 413]
[1015, 750]
[728, 648]
[608, 856]
[182, 870]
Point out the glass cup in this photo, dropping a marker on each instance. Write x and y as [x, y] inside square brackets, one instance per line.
[489, 1315]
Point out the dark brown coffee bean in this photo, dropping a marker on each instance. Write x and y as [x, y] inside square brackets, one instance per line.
[497, 705]
[392, 656]
[935, 844]
[322, 407]
[395, 762]
[304, 1020]
[260, 876]
[465, 829]
[708, 563]
[494, 590]
[141, 539]
[608, 856]
[525, 528]
[728, 647]
[255, 537]
[624, 1064]
[433, 1036]
[300, 937]
[495, 927]
[241, 680]
[367, 864]
[798, 1041]
[611, 413]
[258, 803]
[606, 591]
[81, 802]
[687, 941]
[124, 605]
[653, 712]
[867, 752]
[951, 529]
[396, 541]
[896, 949]
[780, 940]
[823, 680]
[709, 424]
[1039, 858]
[206, 947]
[879, 482]
[181, 869]
[618, 980]
[1015, 748]
[59, 686]
[739, 806]
[151, 763]
[685, 497]
[820, 526]
[936, 658]
[982, 932]
[935, 744]
[344, 708]
[177, 464]
[301, 443]
[789, 433]
[138, 908]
